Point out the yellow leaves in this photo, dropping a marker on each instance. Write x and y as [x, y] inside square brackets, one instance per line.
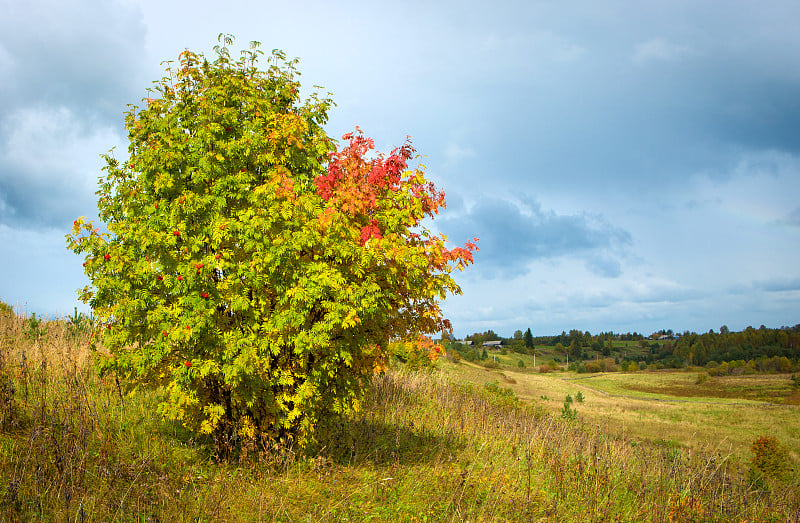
[351, 320]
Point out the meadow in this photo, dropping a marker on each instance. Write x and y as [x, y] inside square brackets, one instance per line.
[457, 443]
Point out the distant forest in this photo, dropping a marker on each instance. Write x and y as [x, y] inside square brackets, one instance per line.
[763, 349]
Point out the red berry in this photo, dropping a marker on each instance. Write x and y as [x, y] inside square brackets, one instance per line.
[160, 277]
[180, 278]
[204, 295]
[198, 265]
[107, 256]
[218, 256]
[176, 233]
[188, 364]
[164, 333]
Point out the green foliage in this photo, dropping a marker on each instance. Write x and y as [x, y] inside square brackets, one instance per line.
[36, 328]
[495, 389]
[250, 268]
[78, 322]
[579, 397]
[521, 364]
[528, 338]
[568, 412]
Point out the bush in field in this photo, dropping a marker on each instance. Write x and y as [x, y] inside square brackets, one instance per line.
[770, 458]
[420, 353]
[250, 267]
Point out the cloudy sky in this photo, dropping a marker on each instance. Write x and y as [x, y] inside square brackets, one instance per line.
[627, 166]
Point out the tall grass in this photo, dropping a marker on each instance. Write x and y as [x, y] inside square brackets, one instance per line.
[74, 447]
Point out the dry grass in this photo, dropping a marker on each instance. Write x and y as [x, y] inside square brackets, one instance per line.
[665, 406]
[424, 448]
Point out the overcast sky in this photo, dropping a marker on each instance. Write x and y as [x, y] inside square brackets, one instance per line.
[627, 166]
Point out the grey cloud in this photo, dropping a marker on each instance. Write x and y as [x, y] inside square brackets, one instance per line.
[511, 236]
[87, 56]
[68, 69]
[778, 284]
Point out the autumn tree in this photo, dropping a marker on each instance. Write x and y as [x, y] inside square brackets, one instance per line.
[246, 264]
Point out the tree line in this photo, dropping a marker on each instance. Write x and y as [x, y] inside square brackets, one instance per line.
[765, 349]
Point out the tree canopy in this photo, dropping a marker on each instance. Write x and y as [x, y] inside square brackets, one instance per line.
[250, 266]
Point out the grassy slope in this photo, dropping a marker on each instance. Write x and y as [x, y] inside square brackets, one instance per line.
[424, 448]
[723, 414]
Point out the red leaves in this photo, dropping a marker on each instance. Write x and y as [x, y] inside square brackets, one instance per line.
[107, 257]
[159, 277]
[176, 233]
[204, 295]
[180, 278]
[359, 181]
[370, 231]
[187, 364]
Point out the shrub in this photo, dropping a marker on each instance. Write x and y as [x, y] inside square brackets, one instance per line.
[521, 364]
[250, 268]
[567, 411]
[494, 388]
[769, 457]
[593, 366]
